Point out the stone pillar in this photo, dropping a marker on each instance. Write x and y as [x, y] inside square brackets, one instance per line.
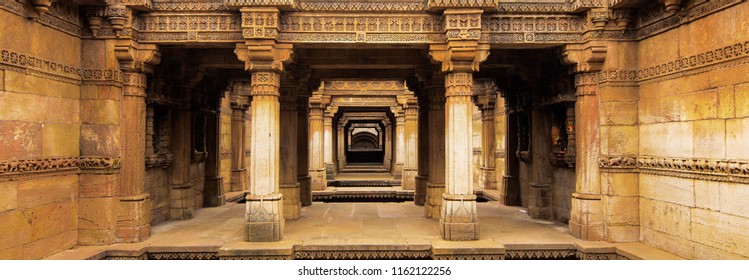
[328, 144]
[539, 198]
[341, 144]
[134, 209]
[500, 151]
[303, 150]
[318, 180]
[410, 143]
[264, 58]
[388, 136]
[436, 184]
[486, 100]
[292, 205]
[182, 200]
[423, 178]
[458, 219]
[239, 104]
[400, 145]
[460, 55]
[586, 215]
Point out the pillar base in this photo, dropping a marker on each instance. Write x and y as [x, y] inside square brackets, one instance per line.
[181, 202]
[398, 171]
[238, 180]
[540, 205]
[292, 205]
[420, 194]
[409, 178]
[318, 182]
[330, 170]
[263, 216]
[458, 221]
[586, 217]
[213, 194]
[305, 193]
[488, 178]
[133, 219]
[433, 200]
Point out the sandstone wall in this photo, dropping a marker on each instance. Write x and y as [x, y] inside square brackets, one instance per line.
[689, 117]
[39, 123]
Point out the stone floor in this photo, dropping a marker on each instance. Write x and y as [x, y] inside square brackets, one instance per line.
[393, 230]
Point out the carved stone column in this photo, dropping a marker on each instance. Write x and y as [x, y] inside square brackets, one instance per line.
[436, 184]
[239, 100]
[460, 57]
[264, 58]
[586, 215]
[328, 142]
[318, 180]
[134, 209]
[182, 199]
[400, 143]
[303, 150]
[410, 142]
[341, 144]
[423, 178]
[292, 208]
[486, 99]
[388, 135]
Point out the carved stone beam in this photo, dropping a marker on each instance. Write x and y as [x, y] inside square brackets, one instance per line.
[281, 4]
[135, 57]
[584, 58]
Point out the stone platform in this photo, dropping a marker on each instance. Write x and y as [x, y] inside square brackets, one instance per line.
[365, 231]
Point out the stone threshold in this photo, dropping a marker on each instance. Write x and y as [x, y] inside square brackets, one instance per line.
[363, 194]
[378, 250]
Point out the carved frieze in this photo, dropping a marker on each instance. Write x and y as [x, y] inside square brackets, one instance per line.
[298, 27]
[693, 168]
[359, 5]
[158, 27]
[15, 169]
[504, 29]
[362, 254]
[377, 87]
[36, 66]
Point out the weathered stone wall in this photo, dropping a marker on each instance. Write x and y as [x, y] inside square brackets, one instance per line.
[697, 112]
[39, 122]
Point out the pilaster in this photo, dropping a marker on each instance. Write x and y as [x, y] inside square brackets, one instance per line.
[586, 217]
[134, 208]
[328, 142]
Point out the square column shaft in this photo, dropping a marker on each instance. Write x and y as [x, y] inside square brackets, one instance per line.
[458, 219]
[264, 210]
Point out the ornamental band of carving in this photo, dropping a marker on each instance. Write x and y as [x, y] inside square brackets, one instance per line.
[691, 168]
[14, 169]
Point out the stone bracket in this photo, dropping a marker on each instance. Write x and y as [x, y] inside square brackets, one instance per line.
[264, 55]
[584, 58]
[135, 57]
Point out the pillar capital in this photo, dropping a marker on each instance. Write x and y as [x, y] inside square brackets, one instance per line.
[264, 55]
[135, 57]
[239, 95]
[584, 58]
[461, 51]
[485, 93]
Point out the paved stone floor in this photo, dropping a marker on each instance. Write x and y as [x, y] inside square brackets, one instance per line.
[358, 225]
